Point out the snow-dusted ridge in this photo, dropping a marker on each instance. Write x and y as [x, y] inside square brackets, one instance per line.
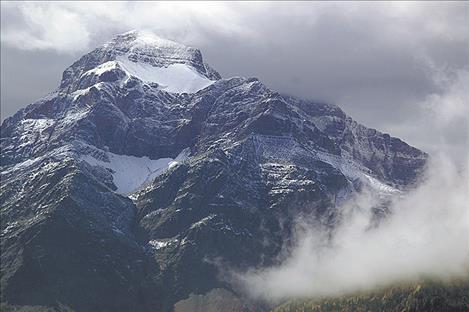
[147, 42]
[352, 170]
[282, 151]
[129, 173]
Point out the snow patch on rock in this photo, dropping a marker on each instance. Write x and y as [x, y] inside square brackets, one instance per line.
[158, 244]
[174, 78]
[353, 171]
[131, 173]
[99, 70]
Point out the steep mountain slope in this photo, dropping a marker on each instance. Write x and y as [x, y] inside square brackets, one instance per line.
[145, 174]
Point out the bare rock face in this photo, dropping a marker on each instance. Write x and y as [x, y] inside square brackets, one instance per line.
[130, 186]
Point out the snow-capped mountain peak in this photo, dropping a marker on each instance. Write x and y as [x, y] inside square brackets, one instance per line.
[138, 39]
[176, 68]
[154, 50]
[217, 174]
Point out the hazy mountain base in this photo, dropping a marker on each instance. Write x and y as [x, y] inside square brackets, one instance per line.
[4, 307]
[215, 300]
[416, 297]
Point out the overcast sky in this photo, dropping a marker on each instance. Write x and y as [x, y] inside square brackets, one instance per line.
[383, 63]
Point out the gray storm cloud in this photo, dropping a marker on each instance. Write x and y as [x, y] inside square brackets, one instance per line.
[426, 235]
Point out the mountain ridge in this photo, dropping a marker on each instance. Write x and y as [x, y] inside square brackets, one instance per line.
[226, 170]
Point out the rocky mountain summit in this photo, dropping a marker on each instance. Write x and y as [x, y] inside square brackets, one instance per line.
[145, 176]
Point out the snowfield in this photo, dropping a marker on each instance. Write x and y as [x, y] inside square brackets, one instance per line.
[176, 78]
[131, 173]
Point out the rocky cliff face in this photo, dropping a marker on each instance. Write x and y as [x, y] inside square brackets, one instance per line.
[130, 186]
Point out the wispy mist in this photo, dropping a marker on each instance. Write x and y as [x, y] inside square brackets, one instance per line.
[426, 234]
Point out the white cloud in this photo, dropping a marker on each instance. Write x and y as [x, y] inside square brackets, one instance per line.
[72, 26]
[45, 27]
